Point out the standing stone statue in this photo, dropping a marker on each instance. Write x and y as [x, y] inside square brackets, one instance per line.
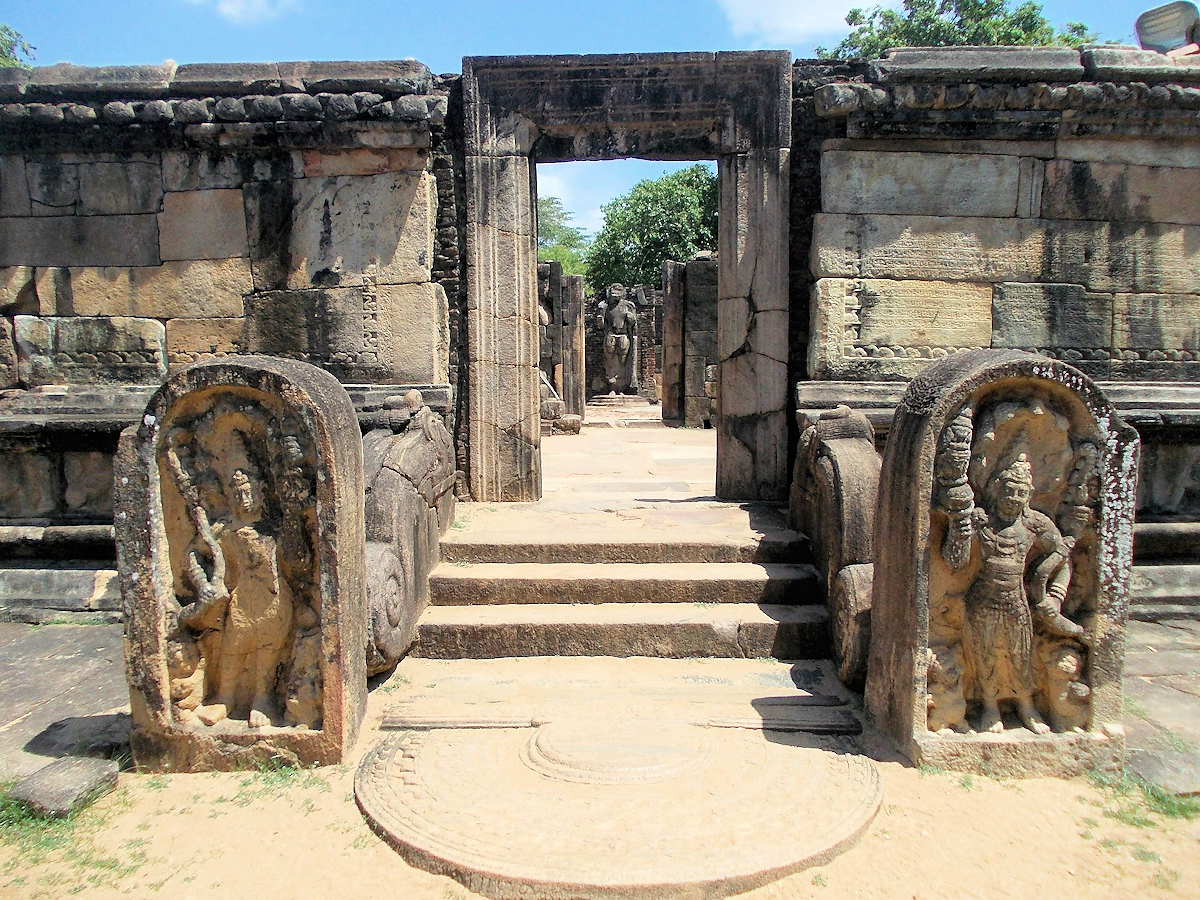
[240, 543]
[617, 319]
[1002, 561]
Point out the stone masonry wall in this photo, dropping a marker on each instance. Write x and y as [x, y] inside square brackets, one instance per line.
[1046, 207]
[154, 216]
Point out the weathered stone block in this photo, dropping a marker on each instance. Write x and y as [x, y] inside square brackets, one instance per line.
[1171, 152]
[90, 350]
[1103, 256]
[1119, 192]
[14, 187]
[65, 786]
[196, 170]
[348, 226]
[79, 241]
[202, 225]
[18, 291]
[405, 76]
[88, 482]
[924, 184]
[1021, 64]
[72, 185]
[1003, 548]
[193, 340]
[1128, 64]
[240, 547]
[29, 485]
[8, 355]
[1041, 316]
[384, 334]
[65, 80]
[363, 161]
[1156, 322]
[199, 288]
[217, 79]
[415, 332]
[867, 328]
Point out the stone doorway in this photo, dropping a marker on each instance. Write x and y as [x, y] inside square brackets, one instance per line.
[523, 110]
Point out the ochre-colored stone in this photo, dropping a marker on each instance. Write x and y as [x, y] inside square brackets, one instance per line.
[184, 289]
[202, 225]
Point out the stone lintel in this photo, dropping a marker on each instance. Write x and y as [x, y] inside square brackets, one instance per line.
[1020, 64]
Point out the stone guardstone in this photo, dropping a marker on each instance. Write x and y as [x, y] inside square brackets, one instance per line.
[410, 477]
[594, 807]
[1003, 548]
[240, 547]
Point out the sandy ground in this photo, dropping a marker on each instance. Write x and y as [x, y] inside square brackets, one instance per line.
[300, 834]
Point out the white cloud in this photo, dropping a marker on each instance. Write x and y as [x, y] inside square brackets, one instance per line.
[247, 12]
[787, 22]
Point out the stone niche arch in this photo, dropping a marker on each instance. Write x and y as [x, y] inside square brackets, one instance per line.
[518, 111]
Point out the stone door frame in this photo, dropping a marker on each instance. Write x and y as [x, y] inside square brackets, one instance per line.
[521, 110]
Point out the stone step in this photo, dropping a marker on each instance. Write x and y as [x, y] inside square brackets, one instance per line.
[458, 584]
[1165, 592]
[670, 630]
[599, 546]
[41, 593]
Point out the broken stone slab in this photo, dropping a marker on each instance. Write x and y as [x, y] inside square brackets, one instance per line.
[240, 546]
[66, 81]
[1122, 64]
[1003, 548]
[955, 64]
[1170, 771]
[65, 786]
[228, 79]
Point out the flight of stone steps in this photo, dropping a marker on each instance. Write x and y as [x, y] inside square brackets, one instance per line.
[586, 594]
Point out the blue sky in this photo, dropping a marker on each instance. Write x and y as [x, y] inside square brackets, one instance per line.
[439, 34]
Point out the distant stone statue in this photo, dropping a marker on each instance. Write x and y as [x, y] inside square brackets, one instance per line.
[617, 319]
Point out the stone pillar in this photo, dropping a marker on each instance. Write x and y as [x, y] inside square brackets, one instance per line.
[673, 315]
[240, 546]
[574, 377]
[752, 331]
[502, 316]
[1003, 547]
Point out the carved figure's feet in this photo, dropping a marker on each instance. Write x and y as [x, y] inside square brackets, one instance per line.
[259, 719]
[1031, 720]
[989, 720]
[212, 713]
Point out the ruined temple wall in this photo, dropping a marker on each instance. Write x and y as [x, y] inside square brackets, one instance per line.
[154, 216]
[1042, 205]
[1035, 199]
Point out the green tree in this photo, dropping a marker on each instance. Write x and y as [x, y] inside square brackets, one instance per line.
[671, 217]
[950, 23]
[558, 240]
[15, 51]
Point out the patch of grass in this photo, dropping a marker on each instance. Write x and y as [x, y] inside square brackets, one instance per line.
[1132, 801]
[925, 770]
[362, 842]
[967, 782]
[1141, 854]
[31, 836]
[394, 683]
[1166, 879]
[273, 777]
[157, 782]
[81, 620]
[1169, 740]
[819, 880]
[1135, 709]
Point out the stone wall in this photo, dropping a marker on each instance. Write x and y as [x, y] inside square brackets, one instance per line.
[1022, 201]
[154, 216]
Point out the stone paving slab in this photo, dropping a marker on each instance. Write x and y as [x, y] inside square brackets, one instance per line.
[62, 687]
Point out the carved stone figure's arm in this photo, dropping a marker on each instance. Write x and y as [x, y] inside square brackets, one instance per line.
[1051, 578]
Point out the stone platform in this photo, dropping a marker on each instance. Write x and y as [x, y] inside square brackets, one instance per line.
[600, 777]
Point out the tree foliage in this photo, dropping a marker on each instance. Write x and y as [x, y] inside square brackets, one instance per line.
[15, 51]
[672, 217]
[558, 240]
[951, 23]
